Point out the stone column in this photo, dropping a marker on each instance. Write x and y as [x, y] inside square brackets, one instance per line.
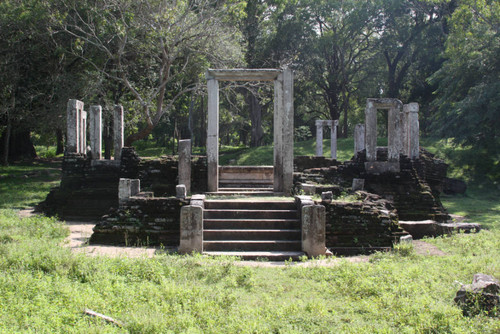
[371, 131]
[413, 131]
[191, 238]
[394, 134]
[84, 132]
[96, 132]
[333, 140]
[288, 130]
[278, 134]
[405, 130]
[118, 131]
[319, 138]
[313, 230]
[73, 126]
[359, 138]
[184, 168]
[213, 135]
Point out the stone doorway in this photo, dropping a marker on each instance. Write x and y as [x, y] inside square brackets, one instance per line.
[283, 122]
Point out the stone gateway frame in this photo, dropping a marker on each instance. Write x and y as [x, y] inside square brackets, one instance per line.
[283, 122]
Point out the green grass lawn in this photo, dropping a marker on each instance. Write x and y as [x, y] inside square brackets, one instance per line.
[44, 287]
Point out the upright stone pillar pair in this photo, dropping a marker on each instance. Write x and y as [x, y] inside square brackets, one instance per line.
[77, 129]
[333, 135]
[283, 122]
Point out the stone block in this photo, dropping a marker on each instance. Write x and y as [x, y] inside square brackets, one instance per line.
[309, 189]
[326, 196]
[180, 191]
[358, 184]
[313, 230]
[191, 230]
[480, 297]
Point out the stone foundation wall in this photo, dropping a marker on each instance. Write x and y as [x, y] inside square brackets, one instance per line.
[363, 226]
[141, 221]
[414, 190]
[89, 188]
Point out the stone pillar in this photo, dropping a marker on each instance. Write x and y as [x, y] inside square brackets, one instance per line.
[83, 132]
[278, 134]
[371, 131]
[333, 140]
[74, 109]
[213, 135]
[313, 230]
[191, 238]
[394, 134]
[359, 138]
[118, 131]
[96, 132]
[184, 168]
[319, 138]
[411, 133]
[288, 130]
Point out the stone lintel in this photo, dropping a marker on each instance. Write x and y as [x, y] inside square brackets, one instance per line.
[384, 103]
[240, 74]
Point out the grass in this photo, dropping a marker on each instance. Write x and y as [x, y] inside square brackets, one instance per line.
[27, 184]
[44, 287]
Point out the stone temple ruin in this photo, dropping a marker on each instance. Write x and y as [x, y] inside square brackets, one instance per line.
[181, 202]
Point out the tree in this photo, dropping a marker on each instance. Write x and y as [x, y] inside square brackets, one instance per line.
[156, 49]
[410, 31]
[468, 94]
[340, 51]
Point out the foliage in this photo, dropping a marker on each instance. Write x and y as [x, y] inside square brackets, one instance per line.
[468, 95]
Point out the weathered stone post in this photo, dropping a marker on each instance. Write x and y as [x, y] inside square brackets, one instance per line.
[213, 134]
[371, 131]
[394, 134]
[191, 238]
[413, 130]
[333, 140]
[359, 138]
[288, 130]
[313, 226]
[184, 168]
[74, 110]
[96, 132]
[319, 138]
[118, 131]
[278, 133]
[83, 132]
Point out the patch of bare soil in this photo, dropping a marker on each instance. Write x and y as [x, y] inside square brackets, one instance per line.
[425, 248]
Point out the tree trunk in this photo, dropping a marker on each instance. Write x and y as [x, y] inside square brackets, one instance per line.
[6, 141]
[257, 134]
[19, 146]
[59, 139]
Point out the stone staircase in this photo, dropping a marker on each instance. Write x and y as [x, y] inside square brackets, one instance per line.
[251, 180]
[252, 229]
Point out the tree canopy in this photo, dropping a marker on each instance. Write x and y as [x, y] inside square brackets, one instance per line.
[151, 55]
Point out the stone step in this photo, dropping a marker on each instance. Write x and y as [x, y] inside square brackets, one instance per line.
[244, 192]
[249, 214]
[245, 181]
[270, 256]
[252, 245]
[250, 205]
[246, 234]
[251, 224]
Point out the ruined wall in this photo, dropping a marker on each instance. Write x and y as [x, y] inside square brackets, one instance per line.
[361, 226]
[89, 188]
[414, 190]
[141, 221]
